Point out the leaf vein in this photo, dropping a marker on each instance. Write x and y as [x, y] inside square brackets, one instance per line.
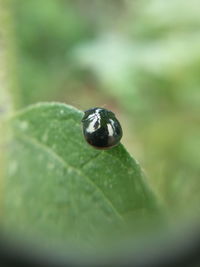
[34, 141]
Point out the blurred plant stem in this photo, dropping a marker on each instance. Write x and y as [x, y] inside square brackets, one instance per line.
[5, 82]
[5, 60]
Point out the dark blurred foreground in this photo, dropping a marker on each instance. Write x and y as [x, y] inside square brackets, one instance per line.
[183, 249]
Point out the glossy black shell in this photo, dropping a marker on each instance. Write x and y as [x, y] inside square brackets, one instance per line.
[101, 129]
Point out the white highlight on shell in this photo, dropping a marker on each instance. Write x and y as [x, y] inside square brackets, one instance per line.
[110, 129]
[112, 122]
[91, 116]
[94, 119]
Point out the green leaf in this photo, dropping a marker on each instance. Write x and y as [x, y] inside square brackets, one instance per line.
[60, 188]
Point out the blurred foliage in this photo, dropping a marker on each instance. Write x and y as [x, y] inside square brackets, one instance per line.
[141, 59]
[45, 35]
[5, 85]
[5, 59]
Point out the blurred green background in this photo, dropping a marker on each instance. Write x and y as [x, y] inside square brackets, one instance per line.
[140, 58]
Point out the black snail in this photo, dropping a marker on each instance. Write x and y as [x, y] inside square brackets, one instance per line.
[101, 128]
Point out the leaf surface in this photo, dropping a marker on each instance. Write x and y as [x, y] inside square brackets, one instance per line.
[61, 188]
